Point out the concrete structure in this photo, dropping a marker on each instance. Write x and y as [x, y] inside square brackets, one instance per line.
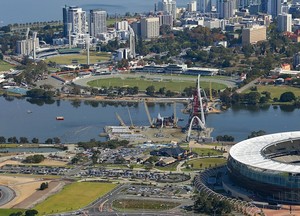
[204, 6]
[77, 18]
[254, 34]
[226, 8]
[131, 42]
[192, 6]
[168, 6]
[269, 166]
[284, 22]
[122, 25]
[165, 19]
[26, 47]
[150, 27]
[97, 24]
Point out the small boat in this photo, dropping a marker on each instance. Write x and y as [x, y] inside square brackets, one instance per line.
[29, 111]
[60, 118]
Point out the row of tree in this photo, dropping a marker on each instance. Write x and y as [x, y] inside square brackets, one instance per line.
[34, 159]
[24, 140]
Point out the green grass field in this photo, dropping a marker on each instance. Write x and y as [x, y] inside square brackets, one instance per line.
[4, 66]
[206, 151]
[276, 91]
[206, 162]
[6, 212]
[74, 196]
[131, 204]
[81, 58]
[143, 83]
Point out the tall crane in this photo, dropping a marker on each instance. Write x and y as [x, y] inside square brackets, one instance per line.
[120, 120]
[148, 115]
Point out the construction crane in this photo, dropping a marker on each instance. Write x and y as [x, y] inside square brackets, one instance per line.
[174, 117]
[131, 126]
[120, 120]
[148, 115]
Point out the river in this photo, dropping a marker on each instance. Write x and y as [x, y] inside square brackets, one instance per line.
[23, 11]
[85, 120]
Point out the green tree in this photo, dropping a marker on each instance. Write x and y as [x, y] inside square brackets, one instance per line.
[49, 141]
[287, 97]
[257, 133]
[150, 90]
[2, 139]
[56, 140]
[31, 212]
[44, 186]
[35, 140]
[23, 140]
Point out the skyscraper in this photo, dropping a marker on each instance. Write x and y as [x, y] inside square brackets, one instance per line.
[168, 6]
[204, 6]
[275, 7]
[226, 8]
[97, 24]
[76, 18]
[284, 22]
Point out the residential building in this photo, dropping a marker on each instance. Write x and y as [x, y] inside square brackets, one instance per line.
[284, 22]
[97, 23]
[226, 8]
[192, 6]
[25, 47]
[274, 7]
[254, 34]
[149, 27]
[166, 19]
[122, 25]
[75, 17]
[168, 6]
[204, 6]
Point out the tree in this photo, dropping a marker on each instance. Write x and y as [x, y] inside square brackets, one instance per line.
[34, 159]
[35, 140]
[257, 133]
[12, 140]
[162, 90]
[16, 214]
[287, 97]
[150, 90]
[2, 139]
[44, 186]
[31, 212]
[56, 140]
[49, 141]
[23, 140]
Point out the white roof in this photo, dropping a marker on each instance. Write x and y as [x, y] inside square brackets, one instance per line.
[249, 152]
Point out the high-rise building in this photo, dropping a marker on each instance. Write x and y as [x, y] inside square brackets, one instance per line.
[75, 18]
[284, 22]
[122, 25]
[131, 42]
[226, 8]
[168, 6]
[165, 19]
[192, 6]
[97, 23]
[254, 34]
[296, 60]
[274, 7]
[150, 27]
[204, 6]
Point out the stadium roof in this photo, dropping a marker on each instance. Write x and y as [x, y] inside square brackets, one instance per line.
[249, 152]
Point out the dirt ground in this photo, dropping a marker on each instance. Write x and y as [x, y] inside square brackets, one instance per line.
[46, 162]
[23, 187]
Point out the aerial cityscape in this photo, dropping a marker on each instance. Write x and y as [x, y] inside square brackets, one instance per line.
[162, 107]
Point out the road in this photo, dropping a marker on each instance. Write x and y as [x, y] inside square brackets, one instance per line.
[247, 86]
[6, 195]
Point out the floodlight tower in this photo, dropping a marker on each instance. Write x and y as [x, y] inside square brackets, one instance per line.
[87, 44]
[27, 42]
[34, 45]
[69, 27]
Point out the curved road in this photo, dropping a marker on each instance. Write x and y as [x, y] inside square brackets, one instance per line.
[6, 195]
[226, 81]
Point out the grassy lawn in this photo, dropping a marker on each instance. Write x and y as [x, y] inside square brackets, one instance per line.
[74, 196]
[206, 151]
[81, 58]
[171, 167]
[143, 84]
[206, 162]
[10, 211]
[276, 91]
[4, 66]
[131, 204]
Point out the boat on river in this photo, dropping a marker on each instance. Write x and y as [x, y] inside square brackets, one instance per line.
[60, 118]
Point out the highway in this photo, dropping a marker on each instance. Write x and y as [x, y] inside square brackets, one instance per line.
[6, 195]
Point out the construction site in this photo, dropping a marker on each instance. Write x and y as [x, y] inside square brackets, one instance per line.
[164, 129]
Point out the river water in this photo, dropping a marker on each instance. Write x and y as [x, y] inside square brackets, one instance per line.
[23, 11]
[85, 120]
